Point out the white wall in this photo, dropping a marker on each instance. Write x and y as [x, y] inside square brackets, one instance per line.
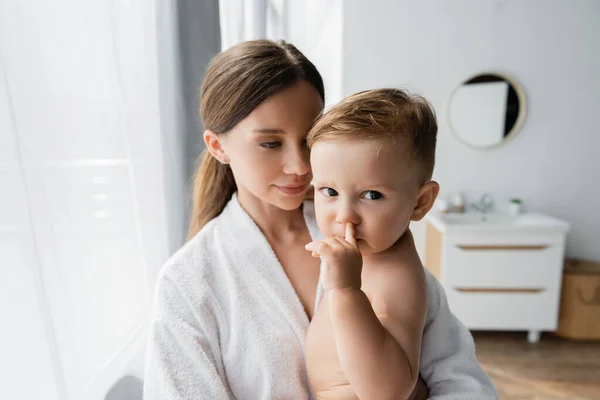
[551, 47]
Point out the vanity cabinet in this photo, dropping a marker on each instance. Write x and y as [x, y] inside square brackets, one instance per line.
[499, 272]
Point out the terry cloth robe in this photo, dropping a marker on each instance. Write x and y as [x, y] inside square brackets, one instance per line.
[227, 324]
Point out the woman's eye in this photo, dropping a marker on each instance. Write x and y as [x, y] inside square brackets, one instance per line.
[372, 195]
[329, 192]
[270, 145]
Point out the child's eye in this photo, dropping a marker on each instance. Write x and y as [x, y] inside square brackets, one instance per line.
[372, 195]
[329, 192]
[269, 145]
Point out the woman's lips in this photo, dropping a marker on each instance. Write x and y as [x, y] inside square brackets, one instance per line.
[293, 190]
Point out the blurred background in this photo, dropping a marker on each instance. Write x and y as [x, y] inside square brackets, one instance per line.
[99, 134]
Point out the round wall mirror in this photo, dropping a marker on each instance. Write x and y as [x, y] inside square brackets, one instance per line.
[486, 110]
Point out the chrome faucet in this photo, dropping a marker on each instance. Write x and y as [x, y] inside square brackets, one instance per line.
[484, 205]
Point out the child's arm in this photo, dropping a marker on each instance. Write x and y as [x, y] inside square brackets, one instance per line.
[379, 343]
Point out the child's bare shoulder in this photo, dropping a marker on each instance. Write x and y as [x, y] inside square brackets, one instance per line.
[397, 263]
[393, 275]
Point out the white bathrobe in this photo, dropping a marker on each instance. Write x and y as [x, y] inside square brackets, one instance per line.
[227, 323]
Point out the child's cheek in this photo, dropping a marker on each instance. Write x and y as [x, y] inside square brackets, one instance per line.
[324, 218]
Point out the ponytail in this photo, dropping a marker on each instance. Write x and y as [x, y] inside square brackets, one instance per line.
[213, 187]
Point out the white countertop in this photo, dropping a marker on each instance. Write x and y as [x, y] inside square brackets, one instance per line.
[495, 221]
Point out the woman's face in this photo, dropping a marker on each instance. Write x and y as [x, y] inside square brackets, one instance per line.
[267, 150]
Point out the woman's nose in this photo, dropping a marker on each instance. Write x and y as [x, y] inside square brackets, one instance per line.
[297, 162]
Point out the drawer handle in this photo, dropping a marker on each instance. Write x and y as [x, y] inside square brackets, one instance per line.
[499, 290]
[492, 247]
[594, 299]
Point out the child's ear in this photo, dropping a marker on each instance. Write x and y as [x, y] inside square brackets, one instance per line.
[215, 146]
[427, 195]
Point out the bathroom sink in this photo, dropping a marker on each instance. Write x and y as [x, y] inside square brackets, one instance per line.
[495, 221]
[473, 218]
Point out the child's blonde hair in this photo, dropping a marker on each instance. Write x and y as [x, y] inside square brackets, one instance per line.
[383, 114]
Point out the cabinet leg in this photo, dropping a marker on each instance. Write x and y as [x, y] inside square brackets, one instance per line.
[533, 336]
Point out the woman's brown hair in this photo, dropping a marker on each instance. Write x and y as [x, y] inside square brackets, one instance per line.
[236, 82]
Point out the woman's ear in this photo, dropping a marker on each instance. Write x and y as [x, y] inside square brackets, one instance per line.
[215, 146]
[427, 195]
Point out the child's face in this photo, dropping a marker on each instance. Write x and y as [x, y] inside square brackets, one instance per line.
[368, 183]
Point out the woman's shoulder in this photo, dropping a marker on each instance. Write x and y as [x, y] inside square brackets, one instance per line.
[194, 265]
[187, 286]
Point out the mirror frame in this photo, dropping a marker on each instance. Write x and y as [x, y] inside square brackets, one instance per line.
[520, 118]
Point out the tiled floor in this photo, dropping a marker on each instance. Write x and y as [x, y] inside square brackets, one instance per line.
[552, 369]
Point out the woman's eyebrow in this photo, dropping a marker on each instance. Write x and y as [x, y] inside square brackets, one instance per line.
[268, 130]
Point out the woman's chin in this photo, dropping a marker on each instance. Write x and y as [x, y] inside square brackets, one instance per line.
[288, 203]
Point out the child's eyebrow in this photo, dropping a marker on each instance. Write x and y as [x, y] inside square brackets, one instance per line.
[363, 187]
[321, 183]
[368, 186]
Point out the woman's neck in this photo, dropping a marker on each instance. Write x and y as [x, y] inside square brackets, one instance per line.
[274, 222]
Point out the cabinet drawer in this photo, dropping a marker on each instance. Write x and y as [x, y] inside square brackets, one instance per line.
[505, 310]
[498, 266]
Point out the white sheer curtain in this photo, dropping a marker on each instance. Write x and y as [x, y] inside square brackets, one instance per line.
[242, 20]
[98, 118]
[314, 26]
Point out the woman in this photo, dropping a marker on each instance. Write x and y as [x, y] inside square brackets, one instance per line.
[232, 307]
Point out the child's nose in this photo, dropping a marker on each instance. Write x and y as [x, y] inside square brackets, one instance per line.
[347, 214]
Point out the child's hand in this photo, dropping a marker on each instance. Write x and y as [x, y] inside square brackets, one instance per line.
[342, 260]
